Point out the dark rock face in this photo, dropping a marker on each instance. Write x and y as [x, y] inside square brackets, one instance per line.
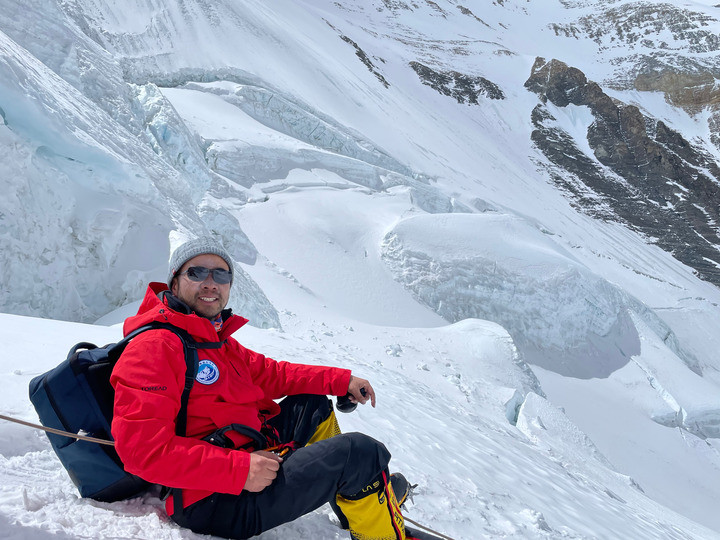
[657, 47]
[642, 172]
[464, 88]
[690, 90]
[366, 60]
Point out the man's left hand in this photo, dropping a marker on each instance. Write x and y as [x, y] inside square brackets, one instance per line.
[361, 390]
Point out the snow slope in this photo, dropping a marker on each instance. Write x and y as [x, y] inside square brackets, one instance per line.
[445, 395]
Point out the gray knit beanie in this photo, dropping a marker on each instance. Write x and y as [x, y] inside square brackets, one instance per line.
[193, 248]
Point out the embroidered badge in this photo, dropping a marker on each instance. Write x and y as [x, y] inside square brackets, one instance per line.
[208, 372]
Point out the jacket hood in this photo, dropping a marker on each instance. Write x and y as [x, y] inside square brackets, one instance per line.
[160, 305]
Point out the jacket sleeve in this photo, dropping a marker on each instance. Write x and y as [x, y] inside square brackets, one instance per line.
[148, 381]
[279, 379]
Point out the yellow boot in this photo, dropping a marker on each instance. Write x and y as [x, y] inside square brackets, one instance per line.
[374, 513]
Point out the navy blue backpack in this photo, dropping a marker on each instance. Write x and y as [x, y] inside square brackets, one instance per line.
[77, 397]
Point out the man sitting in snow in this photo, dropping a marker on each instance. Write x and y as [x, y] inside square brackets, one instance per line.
[282, 460]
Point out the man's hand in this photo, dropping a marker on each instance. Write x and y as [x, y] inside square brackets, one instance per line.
[361, 390]
[263, 470]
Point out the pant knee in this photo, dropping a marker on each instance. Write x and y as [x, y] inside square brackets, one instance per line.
[365, 444]
[367, 458]
[310, 402]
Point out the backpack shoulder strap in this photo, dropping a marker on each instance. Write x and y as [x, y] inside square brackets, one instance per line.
[190, 347]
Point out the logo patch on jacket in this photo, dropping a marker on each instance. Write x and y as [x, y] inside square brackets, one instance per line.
[208, 372]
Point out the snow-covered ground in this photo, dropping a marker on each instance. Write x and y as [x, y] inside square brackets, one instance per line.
[448, 398]
[540, 374]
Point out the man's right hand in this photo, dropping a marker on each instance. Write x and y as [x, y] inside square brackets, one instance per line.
[263, 470]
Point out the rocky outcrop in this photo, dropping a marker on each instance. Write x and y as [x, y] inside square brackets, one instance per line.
[464, 88]
[469, 13]
[651, 36]
[692, 91]
[362, 55]
[641, 172]
[659, 47]
[688, 90]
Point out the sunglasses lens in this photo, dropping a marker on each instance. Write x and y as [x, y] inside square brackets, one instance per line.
[200, 273]
[221, 276]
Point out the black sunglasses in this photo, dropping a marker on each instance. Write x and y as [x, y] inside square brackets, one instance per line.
[200, 273]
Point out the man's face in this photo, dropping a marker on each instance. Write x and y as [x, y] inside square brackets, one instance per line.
[206, 298]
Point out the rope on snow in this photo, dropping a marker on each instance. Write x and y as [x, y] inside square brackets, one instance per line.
[59, 431]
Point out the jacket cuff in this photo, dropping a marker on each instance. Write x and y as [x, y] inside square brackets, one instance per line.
[240, 471]
[342, 383]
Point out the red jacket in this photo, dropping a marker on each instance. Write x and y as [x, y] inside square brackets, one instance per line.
[149, 379]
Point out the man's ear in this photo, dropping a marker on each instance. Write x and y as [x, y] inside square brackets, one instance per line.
[174, 286]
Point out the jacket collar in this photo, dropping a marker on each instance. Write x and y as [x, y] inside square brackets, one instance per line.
[161, 305]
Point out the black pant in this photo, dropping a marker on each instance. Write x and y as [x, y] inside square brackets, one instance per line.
[310, 477]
